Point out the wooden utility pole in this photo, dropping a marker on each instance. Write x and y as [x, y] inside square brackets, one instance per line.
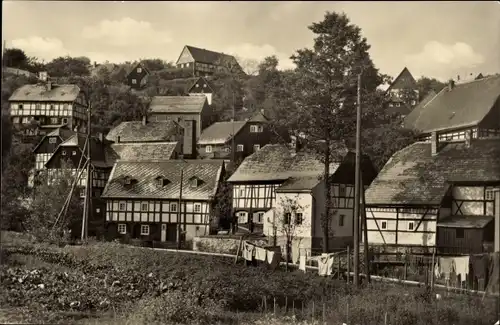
[233, 159]
[3, 59]
[357, 183]
[365, 229]
[87, 206]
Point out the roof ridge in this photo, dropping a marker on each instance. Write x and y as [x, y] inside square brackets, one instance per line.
[461, 83]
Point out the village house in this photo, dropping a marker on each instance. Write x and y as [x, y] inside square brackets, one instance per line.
[149, 199]
[204, 62]
[49, 143]
[137, 77]
[439, 192]
[185, 110]
[48, 105]
[202, 87]
[403, 93]
[249, 136]
[276, 175]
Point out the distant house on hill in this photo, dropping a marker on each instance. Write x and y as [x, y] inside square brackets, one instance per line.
[137, 77]
[403, 93]
[205, 62]
[202, 87]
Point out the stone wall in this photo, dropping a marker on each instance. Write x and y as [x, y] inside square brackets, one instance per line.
[225, 244]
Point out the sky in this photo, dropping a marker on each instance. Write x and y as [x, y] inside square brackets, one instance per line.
[434, 39]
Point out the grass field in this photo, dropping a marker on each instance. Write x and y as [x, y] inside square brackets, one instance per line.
[108, 283]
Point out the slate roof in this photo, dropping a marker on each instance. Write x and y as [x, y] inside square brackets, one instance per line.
[142, 151]
[477, 222]
[220, 132]
[177, 104]
[39, 93]
[467, 104]
[62, 132]
[412, 176]
[299, 184]
[403, 80]
[135, 131]
[276, 162]
[207, 56]
[145, 173]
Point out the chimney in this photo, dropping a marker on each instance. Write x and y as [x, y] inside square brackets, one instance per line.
[144, 120]
[451, 85]
[189, 139]
[468, 138]
[434, 143]
[49, 85]
[118, 139]
[262, 111]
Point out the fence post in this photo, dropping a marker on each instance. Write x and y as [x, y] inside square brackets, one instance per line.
[348, 264]
[312, 314]
[286, 304]
[385, 318]
[265, 303]
[293, 307]
[274, 307]
[324, 313]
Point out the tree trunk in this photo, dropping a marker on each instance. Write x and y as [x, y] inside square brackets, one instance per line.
[326, 216]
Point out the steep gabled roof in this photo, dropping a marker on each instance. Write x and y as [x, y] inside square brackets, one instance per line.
[210, 85]
[62, 132]
[178, 104]
[97, 149]
[138, 65]
[145, 151]
[136, 131]
[40, 93]
[414, 177]
[207, 56]
[145, 174]
[467, 104]
[220, 132]
[403, 80]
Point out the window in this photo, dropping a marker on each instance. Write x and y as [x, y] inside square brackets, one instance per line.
[341, 220]
[287, 217]
[52, 107]
[121, 206]
[139, 70]
[82, 192]
[20, 106]
[144, 207]
[342, 190]
[52, 140]
[489, 195]
[97, 210]
[25, 120]
[391, 104]
[239, 148]
[384, 224]
[299, 218]
[122, 228]
[410, 225]
[15, 120]
[197, 85]
[260, 217]
[38, 106]
[54, 120]
[63, 153]
[253, 129]
[65, 121]
[74, 153]
[459, 233]
[173, 207]
[197, 207]
[256, 147]
[134, 81]
[144, 230]
[208, 149]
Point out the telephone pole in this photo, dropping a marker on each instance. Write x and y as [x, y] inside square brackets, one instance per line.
[357, 183]
[87, 206]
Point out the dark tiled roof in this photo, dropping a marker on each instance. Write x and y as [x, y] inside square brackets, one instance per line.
[414, 176]
[209, 83]
[477, 222]
[145, 173]
[301, 183]
[178, 104]
[62, 132]
[207, 56]
[467, 104]
[143, 151]
[136, 131]
[276, 162]
[220, 132]
[39, 93]
[403, 80]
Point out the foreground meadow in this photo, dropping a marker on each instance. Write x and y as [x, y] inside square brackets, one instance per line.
[109, 283]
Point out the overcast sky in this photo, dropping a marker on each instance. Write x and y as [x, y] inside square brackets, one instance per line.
[438, 39]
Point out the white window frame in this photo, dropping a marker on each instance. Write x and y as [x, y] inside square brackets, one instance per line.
[144, 230]
[144, 205]
[122, 231]
[253, 129]
[139, 70]
[52, 119]
[173, 207]
[63, 153]
[208, 149]
[489, 195]
[73, 153]
[197, 207]
[134, 81]
[256, 147]
[383, 225]
[98, 210]
[120, 205]
[240, 148]
[411, 225]
[52, 140]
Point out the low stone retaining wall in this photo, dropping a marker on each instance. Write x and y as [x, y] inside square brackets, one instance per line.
[224, 244]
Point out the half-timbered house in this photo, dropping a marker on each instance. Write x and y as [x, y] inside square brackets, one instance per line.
[432, 195]
[149, 199]
[202, 87]
[49, 143]
[403, 93]
[137, 77]
[205, 62]
[193, 110]
[49, 105]
[458, 108]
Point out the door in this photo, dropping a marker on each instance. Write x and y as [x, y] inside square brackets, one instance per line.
[172, 232]
[163, 232]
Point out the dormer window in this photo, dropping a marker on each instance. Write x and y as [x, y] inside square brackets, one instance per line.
[52, 140]
[127, 180]
[194, 182]
[161, 181]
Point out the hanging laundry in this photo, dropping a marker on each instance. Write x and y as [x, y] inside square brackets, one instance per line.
[323, 265]
[437, 270]
[248, 251]
[260, 254]
[329, 265]
[295, 254]
[479, 265]
[302, 263]
[462, 267]
[273, 258]
[447, 265]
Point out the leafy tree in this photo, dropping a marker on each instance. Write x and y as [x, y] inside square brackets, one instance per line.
[15, 58]
[425, 85]
[325, 92]
[68, 67]
[155, 64]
